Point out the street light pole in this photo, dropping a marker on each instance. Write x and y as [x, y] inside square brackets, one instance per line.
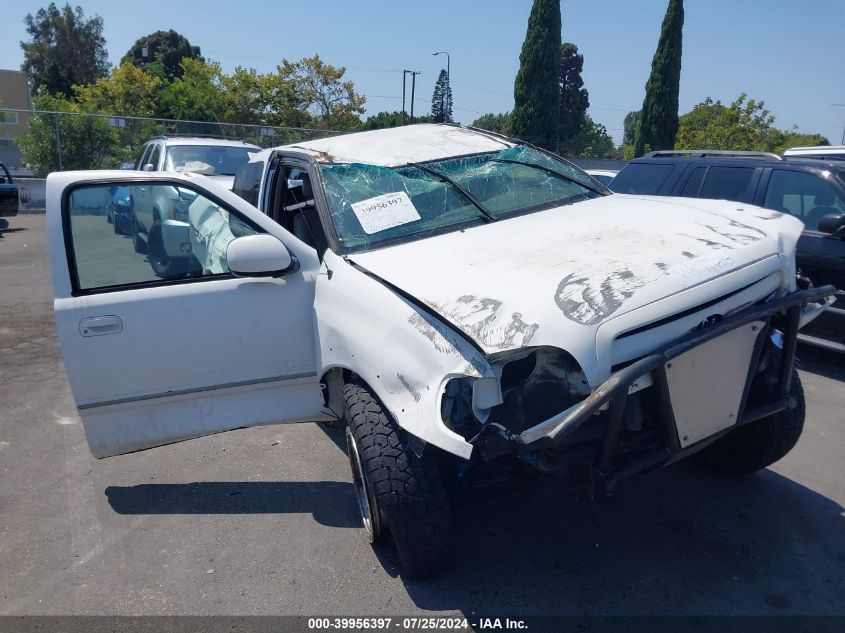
[841, 105]
[448, 63]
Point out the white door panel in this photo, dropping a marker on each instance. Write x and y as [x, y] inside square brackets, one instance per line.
[155, 357]
[138, 424]
[186, 336]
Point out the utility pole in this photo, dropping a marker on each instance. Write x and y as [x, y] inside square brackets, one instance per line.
[841, 105]
[404, 73]
[413, 74]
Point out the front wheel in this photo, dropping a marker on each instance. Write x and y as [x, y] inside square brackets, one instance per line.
[759, 444]
[396, 490]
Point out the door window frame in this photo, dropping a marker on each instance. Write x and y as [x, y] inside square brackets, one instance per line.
[70, 252]
[766, 178]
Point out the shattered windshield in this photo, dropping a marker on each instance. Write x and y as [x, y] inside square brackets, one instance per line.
[372, 206]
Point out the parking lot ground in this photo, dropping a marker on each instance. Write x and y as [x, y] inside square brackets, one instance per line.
[264, 521]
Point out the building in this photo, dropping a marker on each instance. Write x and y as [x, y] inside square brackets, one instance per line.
[15, 104]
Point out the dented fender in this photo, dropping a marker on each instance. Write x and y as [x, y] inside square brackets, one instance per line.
[403, 353]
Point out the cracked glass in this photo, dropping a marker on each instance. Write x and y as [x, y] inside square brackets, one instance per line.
[450, 194]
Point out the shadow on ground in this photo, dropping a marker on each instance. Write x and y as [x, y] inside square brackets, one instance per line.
[821, 362]
[677, 541]
[330, 502]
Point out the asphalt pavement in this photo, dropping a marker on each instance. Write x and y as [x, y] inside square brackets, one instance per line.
[264, 521]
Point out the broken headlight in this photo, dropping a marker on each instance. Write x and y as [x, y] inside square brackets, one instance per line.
[534, 384]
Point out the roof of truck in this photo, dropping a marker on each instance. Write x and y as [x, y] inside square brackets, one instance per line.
[392, 147]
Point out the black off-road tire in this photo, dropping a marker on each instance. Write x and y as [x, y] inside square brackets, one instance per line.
[408, 493]
[759, 444]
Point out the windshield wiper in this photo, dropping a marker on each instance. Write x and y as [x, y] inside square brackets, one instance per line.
[548, 170]
[488, 217]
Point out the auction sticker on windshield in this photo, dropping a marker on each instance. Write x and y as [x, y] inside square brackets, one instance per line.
[385, 211]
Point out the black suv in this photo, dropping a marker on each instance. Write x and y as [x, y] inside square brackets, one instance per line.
[811, 190]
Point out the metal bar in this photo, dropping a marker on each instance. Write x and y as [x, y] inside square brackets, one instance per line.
[790, 343]
[551, 432]
[644, 462]
[833, 346]
[759, 346]
[665, 412]
[611, 434]
[764, 411]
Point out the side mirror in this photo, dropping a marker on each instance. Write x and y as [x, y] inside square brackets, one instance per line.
[148, 167]
[258, 256]
[833, 223]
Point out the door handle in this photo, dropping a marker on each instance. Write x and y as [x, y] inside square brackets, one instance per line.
[97, 326]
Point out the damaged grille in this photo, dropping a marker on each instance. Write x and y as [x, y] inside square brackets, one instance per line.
[643, 339]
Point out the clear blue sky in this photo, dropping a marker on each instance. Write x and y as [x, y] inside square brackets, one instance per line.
[786, 52]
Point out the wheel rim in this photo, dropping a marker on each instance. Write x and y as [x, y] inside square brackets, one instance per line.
[366, 502]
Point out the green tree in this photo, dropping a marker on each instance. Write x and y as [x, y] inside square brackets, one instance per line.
[390, 119]
[161, 54]
[318, 89]
[744, 125]
[574, 99]
[658, 125]
[65, 49]
[536, 91]
[248, 97]
[197, 95]
[499, 123]
[629, 126]
[128, 91]
[591, 141]
[86, 142]
[441, 100]
[793, 138]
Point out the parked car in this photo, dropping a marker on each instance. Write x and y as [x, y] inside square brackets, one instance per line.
[820, 152]
[604, 176]
[120, 210]
[216, 158]
[159, 225]
[811, 190]
[11, 194]
[453, 297]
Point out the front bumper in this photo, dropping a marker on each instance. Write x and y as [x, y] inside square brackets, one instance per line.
[612, 395]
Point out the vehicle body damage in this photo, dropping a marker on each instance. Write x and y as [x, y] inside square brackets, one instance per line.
[476, 298]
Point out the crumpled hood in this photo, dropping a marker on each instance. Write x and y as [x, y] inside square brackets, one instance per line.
[539, 278]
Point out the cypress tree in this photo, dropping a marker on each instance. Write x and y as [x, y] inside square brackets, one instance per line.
[536, 92]
[441, 100]
[658, 124]
[574, 99]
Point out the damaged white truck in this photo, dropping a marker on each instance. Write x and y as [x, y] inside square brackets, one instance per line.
[453, 296]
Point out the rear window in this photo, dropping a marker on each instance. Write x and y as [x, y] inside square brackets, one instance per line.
[727, 183]
[642, 178]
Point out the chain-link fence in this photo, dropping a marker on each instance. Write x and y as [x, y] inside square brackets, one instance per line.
[56, 141]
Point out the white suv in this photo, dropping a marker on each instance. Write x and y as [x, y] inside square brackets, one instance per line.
[159, 223]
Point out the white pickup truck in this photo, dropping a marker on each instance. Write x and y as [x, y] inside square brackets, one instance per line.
[452, 295]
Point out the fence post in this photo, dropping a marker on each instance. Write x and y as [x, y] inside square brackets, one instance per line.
[58, 139]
